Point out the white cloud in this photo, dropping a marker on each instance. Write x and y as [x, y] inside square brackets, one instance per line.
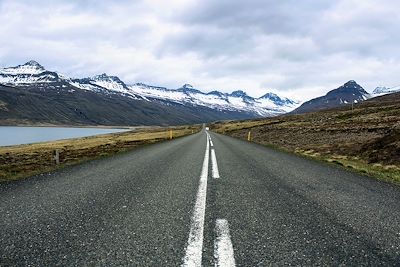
[295, 49]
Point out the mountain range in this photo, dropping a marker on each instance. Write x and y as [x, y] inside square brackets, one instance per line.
[142, 104]
[29, 93]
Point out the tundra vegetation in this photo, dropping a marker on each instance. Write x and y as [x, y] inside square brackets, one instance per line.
[17, 162]
[364, 138]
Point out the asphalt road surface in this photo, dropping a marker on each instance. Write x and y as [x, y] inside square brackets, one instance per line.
[200, 200]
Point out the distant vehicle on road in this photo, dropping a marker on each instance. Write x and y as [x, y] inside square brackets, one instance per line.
[207, 128]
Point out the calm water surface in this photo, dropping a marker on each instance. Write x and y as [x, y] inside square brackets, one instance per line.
[25, 135]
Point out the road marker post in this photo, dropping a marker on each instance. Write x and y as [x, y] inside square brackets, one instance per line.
[170, 134]
[249, 136]
[56, 156]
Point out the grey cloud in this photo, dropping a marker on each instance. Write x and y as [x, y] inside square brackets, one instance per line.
[268, 16]
[207, 42]
[290, 46]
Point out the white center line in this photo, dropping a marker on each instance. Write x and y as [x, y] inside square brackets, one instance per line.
[215, 172]
[223, 248]
[194, 248]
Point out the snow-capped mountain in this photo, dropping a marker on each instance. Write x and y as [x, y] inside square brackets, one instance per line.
[350, 92]
[104, 83]
[28, 73]
[271, 100]
[31, 67]
[267, 105]
[33, 74]
[382, 90]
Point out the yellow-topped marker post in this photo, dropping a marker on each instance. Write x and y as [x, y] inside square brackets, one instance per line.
[249, 136]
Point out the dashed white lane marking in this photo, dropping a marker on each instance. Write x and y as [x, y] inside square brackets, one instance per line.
[215, 172]
[209, 138]
[194, 249]
[223, 248]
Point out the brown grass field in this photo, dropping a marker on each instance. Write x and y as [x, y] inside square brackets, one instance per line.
[366, 139]
[17, 162]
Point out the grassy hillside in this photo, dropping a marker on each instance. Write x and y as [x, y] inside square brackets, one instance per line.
[21, 161]
[366, 139]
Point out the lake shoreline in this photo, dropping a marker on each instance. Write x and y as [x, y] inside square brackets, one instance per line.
[80, 126]
[25, 160]
[20, 135]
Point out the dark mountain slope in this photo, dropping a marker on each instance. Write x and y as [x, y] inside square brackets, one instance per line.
[72, 106]
[350, 92]
[32, 94]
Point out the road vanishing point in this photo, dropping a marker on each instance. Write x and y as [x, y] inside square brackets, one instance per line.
[200, 200]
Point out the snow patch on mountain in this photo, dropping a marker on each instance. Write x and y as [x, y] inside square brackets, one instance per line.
[85, 86]
[31, 67]
[28, 73]
[382, 90]
[104, 83]
[109, 82]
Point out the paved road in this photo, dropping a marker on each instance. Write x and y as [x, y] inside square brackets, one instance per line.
[160, 205]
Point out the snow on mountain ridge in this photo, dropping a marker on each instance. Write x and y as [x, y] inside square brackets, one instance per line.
[109, 82]
[103, 82]
[28, 73]
[267, 105]
[383, 90]
[237, 100]
[277, 99]
[31, 67]
[187, 86]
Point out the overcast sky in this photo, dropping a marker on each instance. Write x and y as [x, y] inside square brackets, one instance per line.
[296, 48]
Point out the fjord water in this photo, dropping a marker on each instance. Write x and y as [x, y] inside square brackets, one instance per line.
[11, 135]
